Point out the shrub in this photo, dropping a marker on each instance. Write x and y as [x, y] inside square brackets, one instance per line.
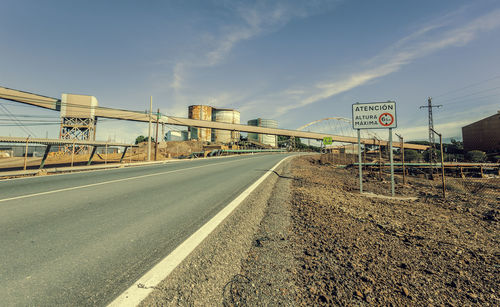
[476, 156]
[412, 155]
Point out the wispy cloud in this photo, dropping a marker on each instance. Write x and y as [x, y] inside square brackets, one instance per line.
[253, 20]
[427, 40]
[177, 76]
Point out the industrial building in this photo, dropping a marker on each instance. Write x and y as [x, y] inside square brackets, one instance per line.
[209, 113]
[175, 135]
[229, 116]
[271, 140]
[200, 112]
[483, 135]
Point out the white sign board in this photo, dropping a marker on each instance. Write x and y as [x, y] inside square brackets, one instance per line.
[374, 115]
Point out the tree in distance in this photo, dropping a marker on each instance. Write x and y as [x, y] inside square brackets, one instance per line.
[412, 155]
[476, 156]
[142, 138]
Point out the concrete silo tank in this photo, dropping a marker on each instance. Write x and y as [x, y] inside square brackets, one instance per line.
[225, 116]
[200, 112]
[267, 139]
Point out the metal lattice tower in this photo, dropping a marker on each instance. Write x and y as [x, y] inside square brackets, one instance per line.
[432, 141]
[78, 120]
[82, 129]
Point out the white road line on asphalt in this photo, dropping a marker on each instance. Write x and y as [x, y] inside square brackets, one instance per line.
[137, 164]
[87, 171]
[135, 294]
[114, 181]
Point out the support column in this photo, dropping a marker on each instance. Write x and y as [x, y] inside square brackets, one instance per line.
[94, 148]
[123, 155]
[45, 155]
[26, 153]
[73, 154]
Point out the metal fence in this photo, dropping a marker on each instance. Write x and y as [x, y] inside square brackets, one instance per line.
[478, 179]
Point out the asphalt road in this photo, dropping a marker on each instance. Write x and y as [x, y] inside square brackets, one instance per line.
[84, 238]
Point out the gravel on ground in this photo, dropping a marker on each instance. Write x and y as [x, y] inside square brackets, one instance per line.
[358, 250]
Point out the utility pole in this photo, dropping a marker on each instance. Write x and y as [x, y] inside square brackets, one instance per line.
[157, 128]
[379, 160]
[149, 129]
[162, 131]
[432, 151]
[402, 147]
[443, 179]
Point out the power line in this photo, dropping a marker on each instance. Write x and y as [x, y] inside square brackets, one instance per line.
[468, 100]
[2, 117]
[467, 86]
[470, 94]
[35, 116]
[62, 104]
[26, 129]
[30, 120]
[30, 125]
[139, 115]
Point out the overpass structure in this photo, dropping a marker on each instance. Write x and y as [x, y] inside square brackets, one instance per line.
[80, 112]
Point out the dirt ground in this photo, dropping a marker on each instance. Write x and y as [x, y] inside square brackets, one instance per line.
[359, 250]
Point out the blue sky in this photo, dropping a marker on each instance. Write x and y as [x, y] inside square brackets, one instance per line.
[293, 61]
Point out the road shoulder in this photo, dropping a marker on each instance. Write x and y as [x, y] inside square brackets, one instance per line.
[202, 279]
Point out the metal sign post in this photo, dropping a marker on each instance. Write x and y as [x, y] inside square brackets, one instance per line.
[374, 115]
[402, 147]
[360, 168]
[392, 161]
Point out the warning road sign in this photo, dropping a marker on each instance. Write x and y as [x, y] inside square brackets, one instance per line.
[386, 119]
[374, 115]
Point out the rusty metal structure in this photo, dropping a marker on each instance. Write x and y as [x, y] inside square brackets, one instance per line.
[200, 112]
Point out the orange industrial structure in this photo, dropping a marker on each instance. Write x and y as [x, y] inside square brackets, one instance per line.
[202, 113]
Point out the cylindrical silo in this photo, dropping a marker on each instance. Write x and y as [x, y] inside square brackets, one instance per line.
[267, 139]
[200, 112]
[225, 116]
